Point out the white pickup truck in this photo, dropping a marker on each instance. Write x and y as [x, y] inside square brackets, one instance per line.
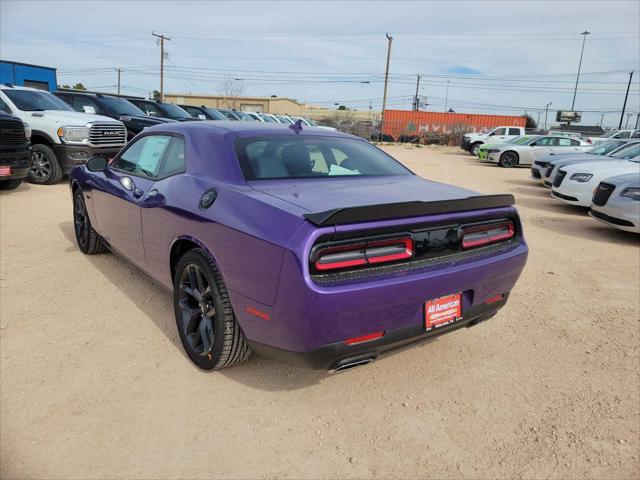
[472, 141]
[613, 134]
[60, 137]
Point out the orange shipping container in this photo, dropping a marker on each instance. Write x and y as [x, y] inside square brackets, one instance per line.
[398, 123]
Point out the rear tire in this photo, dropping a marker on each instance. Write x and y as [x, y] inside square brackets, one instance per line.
[474, 149]
[208, 328]
[87, 238]
[10, 184]
[45, 168]
[509, 160]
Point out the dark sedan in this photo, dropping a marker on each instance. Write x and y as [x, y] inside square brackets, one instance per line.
[301, 244]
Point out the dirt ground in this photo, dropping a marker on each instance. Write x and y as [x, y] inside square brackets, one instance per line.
[95, 384]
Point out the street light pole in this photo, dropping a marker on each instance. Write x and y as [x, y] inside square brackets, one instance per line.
[546, 110]
[446, 97]
[416, 105]
[584, 38]
[624, 105]
[386, 81]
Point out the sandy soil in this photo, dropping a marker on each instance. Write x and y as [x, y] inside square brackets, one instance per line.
[94, 383]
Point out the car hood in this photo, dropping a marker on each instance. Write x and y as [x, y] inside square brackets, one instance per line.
[556, 159]
[626, 180]
[145, 119]
[604, 166]
[65, 117]
[315, 195]
[589, 159]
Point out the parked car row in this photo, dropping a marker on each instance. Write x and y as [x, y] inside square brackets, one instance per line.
[599, 173]
[67, 127]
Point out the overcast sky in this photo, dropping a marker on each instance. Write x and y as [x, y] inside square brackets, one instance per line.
[497, 57]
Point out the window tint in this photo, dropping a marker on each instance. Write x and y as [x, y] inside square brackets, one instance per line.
[563, 142]
[148, 108]
[631, 151]
[174, 159]
[314, 157]
[575, 143]
[80, 102]
[4, 107]
[545, 141]
[193, 111]
[144, 156]
[514, 131]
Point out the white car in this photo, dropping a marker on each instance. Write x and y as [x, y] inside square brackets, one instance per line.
[575, 184]
[540, 166]
[510, 155]
[616, 151]
[616, 202]
[473, 141]
[620, 134]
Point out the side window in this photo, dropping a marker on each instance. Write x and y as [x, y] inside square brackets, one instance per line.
[194, 112]
[144, 156]
[500, 131]
[514, 131]
[626, 134]
[564, 142]
[84, 104]
[3, 106]
[174, 160]
[545, 142]
[574, 143]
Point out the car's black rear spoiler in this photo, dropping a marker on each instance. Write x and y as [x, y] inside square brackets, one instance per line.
[388, 211]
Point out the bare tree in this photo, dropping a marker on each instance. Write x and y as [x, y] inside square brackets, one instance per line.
[231, 90]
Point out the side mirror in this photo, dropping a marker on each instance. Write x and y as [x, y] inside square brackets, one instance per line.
[88, 109]
[97, 164]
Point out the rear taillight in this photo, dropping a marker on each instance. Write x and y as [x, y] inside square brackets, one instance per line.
[478, 236]
[364, 253]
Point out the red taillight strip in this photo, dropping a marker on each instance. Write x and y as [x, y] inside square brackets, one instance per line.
[363, 253]
[495, 299]
[486, 234]
[364, 338]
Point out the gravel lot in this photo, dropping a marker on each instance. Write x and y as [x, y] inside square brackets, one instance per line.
[94, 382]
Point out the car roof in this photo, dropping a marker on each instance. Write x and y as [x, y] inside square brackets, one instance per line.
[243, 129]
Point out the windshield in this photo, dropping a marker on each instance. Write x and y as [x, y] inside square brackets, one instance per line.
[173, 111]
[605, 147]
[242, 116]
[228, 115]
[628, 153]
[284, 119]
[530, 140]
[312, 157]
[35, 100]
[267, 118]
[120, 106]
[214, 114]
[609, 134]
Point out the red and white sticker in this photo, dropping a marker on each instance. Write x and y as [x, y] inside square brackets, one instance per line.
[442, 311]
[5, 171]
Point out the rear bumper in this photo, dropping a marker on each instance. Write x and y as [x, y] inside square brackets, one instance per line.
[71, 155]
[339, 355]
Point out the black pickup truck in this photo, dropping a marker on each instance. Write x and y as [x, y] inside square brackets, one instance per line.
[15, 151]
[134, 119]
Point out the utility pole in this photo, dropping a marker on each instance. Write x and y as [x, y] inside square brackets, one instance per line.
[601, 119]
[416, 104]
[446, 97]
[119, 69]
[546, 111]
[626, 125]
[386, 80]
[584, 38]
[624, 105]
[162, 39]
[370, 108]
[538, 122]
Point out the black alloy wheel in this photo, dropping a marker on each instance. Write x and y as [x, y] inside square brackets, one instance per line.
[197, 311]
[45, 169]
[87, 238]
[509, 159]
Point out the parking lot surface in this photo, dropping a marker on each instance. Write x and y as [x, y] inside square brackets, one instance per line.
[94, 382]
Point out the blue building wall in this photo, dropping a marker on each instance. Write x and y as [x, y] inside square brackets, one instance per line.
[25, 75]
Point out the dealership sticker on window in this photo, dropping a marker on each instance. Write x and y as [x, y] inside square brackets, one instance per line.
[442, 311]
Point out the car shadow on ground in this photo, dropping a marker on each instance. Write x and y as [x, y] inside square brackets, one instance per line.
[259, 373]
[22, 188]
[587, 228]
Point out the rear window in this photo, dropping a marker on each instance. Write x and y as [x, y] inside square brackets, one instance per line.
[312, 157]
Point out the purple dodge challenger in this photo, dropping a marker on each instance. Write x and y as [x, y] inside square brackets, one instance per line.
[301, 244]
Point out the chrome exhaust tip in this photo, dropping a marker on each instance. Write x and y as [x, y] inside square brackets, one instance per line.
[348, 364]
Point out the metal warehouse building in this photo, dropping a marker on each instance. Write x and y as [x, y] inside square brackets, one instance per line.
[26, 75]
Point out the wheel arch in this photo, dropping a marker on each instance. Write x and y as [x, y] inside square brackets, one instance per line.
[182, 245]
[38, 137]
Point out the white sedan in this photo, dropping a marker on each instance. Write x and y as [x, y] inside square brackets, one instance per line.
[512, 155]
[575, 184]
[616, 202]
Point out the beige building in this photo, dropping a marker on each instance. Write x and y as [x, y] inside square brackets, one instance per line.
[277, 105]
